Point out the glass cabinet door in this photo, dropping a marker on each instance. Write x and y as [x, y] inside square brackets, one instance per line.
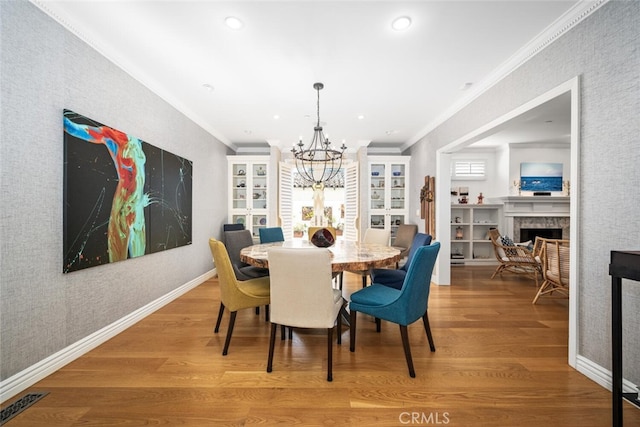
[397, 186]
[257, 222]
[388, 183]
[239, 219]
[378, 177]
[248, 192]
[239, 183]
[259, 179]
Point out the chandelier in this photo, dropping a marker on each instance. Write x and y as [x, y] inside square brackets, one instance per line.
[319, 162]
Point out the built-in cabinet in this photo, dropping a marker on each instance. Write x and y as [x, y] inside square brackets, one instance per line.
[470, 226]
[388, 198]
[249, 191]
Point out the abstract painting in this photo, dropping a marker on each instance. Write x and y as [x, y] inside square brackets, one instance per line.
[123, 197]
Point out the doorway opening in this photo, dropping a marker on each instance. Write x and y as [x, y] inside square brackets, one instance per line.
[443, 210]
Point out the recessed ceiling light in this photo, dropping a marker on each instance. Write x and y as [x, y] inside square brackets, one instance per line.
[466, 86]
[361, 116]
[233, 22]
[401, 23]
[208, 87]
[391, 132]
[276, 117]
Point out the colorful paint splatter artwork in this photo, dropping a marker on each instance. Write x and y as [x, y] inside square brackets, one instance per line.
[123, 197]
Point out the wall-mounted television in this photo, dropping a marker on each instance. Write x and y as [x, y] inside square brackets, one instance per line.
[540, 176]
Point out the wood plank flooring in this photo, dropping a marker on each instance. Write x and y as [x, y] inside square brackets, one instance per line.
[500, 361]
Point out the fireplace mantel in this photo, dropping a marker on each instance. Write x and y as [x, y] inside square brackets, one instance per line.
[536, 205]
[535, 212]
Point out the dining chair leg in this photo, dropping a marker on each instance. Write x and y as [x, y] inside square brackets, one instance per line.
[257, 311]
[282, 332]
[232, 321]
[266, 313]
[272, 343]
[219, 318]
[407, 350]
[339, 324]
[427, 328]
[330, 354]
[364, 280]
[352, 331]
[378, 324]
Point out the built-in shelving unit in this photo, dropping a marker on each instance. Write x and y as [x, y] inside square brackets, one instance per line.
[470, 226]
[249, 192]
[388, 192]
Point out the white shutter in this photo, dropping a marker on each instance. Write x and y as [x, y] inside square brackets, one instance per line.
[468, 169]
[285, 202]
[351, 201]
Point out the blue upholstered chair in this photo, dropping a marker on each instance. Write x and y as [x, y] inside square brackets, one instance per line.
[395, 277]
[402, 306]
[271, 234]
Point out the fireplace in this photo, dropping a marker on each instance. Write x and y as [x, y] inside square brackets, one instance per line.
[526, 228]
[527, 234]
[537, 214]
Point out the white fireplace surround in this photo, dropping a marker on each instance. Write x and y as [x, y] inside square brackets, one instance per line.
[535, 212]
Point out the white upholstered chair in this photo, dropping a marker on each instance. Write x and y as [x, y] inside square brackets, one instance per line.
[302, 295]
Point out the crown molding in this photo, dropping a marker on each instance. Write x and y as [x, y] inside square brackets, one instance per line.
[579, 12]
[147, 81]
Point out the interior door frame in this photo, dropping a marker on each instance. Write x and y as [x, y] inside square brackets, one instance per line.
[443, 186]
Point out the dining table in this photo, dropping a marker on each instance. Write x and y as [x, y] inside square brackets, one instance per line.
[346, 255]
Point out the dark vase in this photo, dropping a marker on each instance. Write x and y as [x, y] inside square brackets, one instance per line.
[322, 238]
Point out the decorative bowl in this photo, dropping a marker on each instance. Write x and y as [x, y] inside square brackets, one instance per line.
[263, 221]
[322, 238]
[375, 173]
[396, 173]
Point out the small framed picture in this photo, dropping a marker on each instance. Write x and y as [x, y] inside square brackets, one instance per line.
[307, 213]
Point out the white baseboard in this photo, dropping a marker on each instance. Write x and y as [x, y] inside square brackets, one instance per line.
[26, 378]
[601, 375]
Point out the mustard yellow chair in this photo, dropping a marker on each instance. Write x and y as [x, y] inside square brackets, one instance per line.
[236, 295]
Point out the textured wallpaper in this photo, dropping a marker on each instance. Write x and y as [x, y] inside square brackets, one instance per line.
[44, 69]
[604, 50]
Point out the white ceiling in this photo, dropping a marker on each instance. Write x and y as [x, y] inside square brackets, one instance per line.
[403, 83]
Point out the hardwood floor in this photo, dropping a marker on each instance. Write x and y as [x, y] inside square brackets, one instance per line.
[500, 361]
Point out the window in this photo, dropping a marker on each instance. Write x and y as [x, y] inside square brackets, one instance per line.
[468, 169]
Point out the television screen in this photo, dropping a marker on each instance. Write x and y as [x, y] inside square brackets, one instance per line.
[541, 176]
